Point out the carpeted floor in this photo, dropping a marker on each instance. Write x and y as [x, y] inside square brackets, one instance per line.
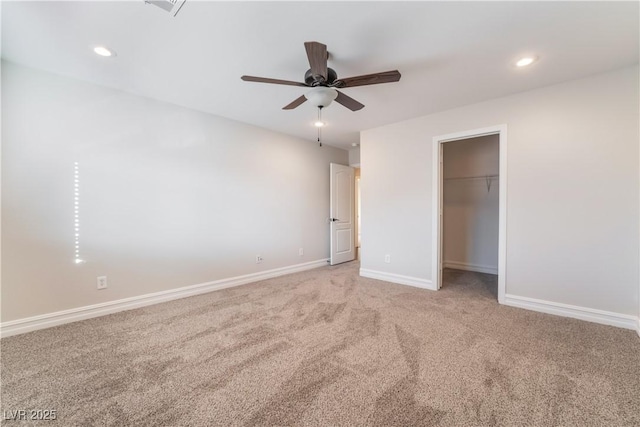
[327, 348]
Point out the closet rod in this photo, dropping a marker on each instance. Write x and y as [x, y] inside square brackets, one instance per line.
[474, 177]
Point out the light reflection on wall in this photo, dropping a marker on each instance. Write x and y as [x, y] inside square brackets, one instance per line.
[76, 212]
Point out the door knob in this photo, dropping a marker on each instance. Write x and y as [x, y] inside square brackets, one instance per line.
[333, 219]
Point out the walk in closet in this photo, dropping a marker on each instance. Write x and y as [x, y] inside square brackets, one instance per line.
[471, 204]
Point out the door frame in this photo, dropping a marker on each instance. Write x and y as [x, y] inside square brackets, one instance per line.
[437, 202]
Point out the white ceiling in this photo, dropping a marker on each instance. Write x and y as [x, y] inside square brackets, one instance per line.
[449, 53]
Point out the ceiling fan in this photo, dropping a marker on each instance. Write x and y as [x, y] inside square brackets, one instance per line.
[325, 81]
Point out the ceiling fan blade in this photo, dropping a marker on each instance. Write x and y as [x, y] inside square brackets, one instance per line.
[317, 54]
[369, 79]
[295, 103]
[274, 81]
[348, 102]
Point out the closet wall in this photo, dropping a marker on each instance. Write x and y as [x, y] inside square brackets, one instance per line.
[470, 201]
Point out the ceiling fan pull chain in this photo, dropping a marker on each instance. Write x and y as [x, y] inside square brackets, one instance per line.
[319, 121]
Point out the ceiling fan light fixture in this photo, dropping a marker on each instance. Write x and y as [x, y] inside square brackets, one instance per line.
[321, 96]
[319, 124]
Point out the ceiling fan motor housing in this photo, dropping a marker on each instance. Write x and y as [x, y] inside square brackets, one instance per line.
[312, 80]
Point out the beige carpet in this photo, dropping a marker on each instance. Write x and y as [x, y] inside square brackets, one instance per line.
[327, 348]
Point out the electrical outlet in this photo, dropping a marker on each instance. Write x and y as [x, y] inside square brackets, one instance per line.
[259, 259]
[387, 258]
[301, 252]
[102, 282]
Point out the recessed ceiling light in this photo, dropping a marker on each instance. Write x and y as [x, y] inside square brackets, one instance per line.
[527, 60]
[103, 51]
[319, 124]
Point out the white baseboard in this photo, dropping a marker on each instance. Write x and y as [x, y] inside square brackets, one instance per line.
[397, 278]
[583, 313]
[470, 267]
[48, 320]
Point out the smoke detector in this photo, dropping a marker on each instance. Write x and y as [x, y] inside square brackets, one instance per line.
[171, 6]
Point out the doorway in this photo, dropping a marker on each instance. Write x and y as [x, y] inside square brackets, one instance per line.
[342, 217]
[357, 172]
[466, 179]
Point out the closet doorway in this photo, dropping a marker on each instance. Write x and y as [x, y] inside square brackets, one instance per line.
[469, 198]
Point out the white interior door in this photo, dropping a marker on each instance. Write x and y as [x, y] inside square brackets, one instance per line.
[342, 183]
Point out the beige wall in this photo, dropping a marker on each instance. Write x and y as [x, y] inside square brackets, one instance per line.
[169, 197]
[573, 207]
